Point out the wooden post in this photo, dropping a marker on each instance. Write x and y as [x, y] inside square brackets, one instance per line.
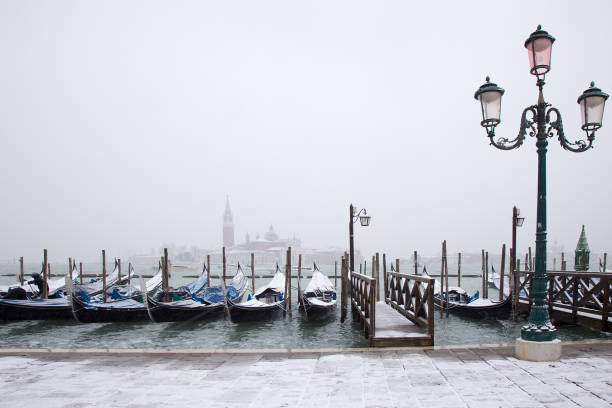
[377, 277]
[129, 273]
[416, 264]
[530, 260]
[517, 281]
[446, 276]
[360, 268]
[373, 267]
[604, 263]
[299, 278]
[21, 279]
[45, 266]
[208, 270]
[487, 273]
[482, 269]
[459, 270]
[385, 279]
[165, 275]
[224, 265]
[49, 276]
[81, 272]
[344, 291]
[289, 297]
[336, 275]
[606, 301]
[104, 275]
[70, 268]
[397, 265]
[119, 271]
[501, 273]
[442, 280]
[253, 273]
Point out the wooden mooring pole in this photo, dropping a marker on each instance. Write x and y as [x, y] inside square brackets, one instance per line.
[482, 269]
[563, 263]
[104, 275]
[253, 273]
[416, 264]
[81, 272]
[442, 280]
[45, 267]
[377, 277]
[336, 275]
[299, 278]
[446, 276]
[208, 270]
[487, 274]
[129, 273]
[119, 271]
[501, 273]
[224, 265]
[21, 279]
[385, 278]
[459, 270]
[70, 267]
[165, 280]
[344, 291]
[604, 261]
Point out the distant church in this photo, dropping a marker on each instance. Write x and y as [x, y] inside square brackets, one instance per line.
[270, 241]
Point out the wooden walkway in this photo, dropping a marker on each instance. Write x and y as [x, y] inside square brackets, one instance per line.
[395, 330]
[406, 316]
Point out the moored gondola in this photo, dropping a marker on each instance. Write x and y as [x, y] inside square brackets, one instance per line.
[318, 300]
[266, 303]
[200, 302]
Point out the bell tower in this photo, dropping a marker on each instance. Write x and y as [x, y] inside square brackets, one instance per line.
[228, 225]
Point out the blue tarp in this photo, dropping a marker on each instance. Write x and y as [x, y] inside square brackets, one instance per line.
[215, 294]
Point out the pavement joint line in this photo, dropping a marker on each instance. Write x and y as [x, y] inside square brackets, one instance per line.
[289, 351]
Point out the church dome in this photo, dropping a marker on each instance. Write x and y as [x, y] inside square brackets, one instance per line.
[271, 235]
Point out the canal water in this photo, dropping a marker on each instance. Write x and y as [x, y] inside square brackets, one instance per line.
[295, 332]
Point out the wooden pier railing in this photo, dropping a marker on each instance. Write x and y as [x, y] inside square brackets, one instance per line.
[363, 302]
[581, 298]
[413, 297]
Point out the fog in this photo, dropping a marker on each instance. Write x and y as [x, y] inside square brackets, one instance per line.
[124, 125]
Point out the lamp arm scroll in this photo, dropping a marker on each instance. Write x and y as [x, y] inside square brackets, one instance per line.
[527, 128]
[556, 127]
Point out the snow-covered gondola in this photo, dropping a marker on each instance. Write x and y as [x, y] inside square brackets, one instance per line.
[318, 300]
[199, 302]
[460, 303]
[88, 310]
[96, 286]
[55, 307]
[265, 304]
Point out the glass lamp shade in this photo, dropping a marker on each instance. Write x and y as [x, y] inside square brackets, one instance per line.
[539, 47]
[364, 220]
[519, 221]
[489, 95]
[592, 102]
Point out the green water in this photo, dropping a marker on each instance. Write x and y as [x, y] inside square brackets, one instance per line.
[295, 332]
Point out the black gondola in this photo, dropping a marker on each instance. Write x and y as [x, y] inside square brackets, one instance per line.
[267, 302]
[204, 303]
[35, 309]
[318, 300]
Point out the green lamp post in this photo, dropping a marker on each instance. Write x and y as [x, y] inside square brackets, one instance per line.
[541, 121]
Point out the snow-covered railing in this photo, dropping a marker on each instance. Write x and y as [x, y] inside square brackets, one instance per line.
[363, 302]
[576, 297]
[413, 297]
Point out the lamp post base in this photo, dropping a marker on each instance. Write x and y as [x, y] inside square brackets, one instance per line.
[538, 350]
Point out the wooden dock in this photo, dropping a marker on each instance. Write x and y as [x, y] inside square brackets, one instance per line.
[395, 330]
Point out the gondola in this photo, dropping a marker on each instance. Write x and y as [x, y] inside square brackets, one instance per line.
[200, 302]
[460, 303]
[87, 310]
[55, 307]
[266, 303]
[318, 300]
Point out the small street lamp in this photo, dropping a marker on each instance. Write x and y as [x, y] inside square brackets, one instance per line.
[364, 219]
[541, 121]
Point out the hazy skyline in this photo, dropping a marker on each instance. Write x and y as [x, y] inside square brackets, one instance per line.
[124, 125]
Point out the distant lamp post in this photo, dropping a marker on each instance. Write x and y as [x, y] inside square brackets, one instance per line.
[541, 121]
[364, 220]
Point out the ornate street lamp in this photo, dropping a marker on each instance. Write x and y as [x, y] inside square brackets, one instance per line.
[541, 121]
[364, 219]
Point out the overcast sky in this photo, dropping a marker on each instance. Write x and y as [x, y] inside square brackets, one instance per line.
[125, 124]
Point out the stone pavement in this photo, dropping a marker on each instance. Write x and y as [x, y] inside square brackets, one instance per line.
[480, 376]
